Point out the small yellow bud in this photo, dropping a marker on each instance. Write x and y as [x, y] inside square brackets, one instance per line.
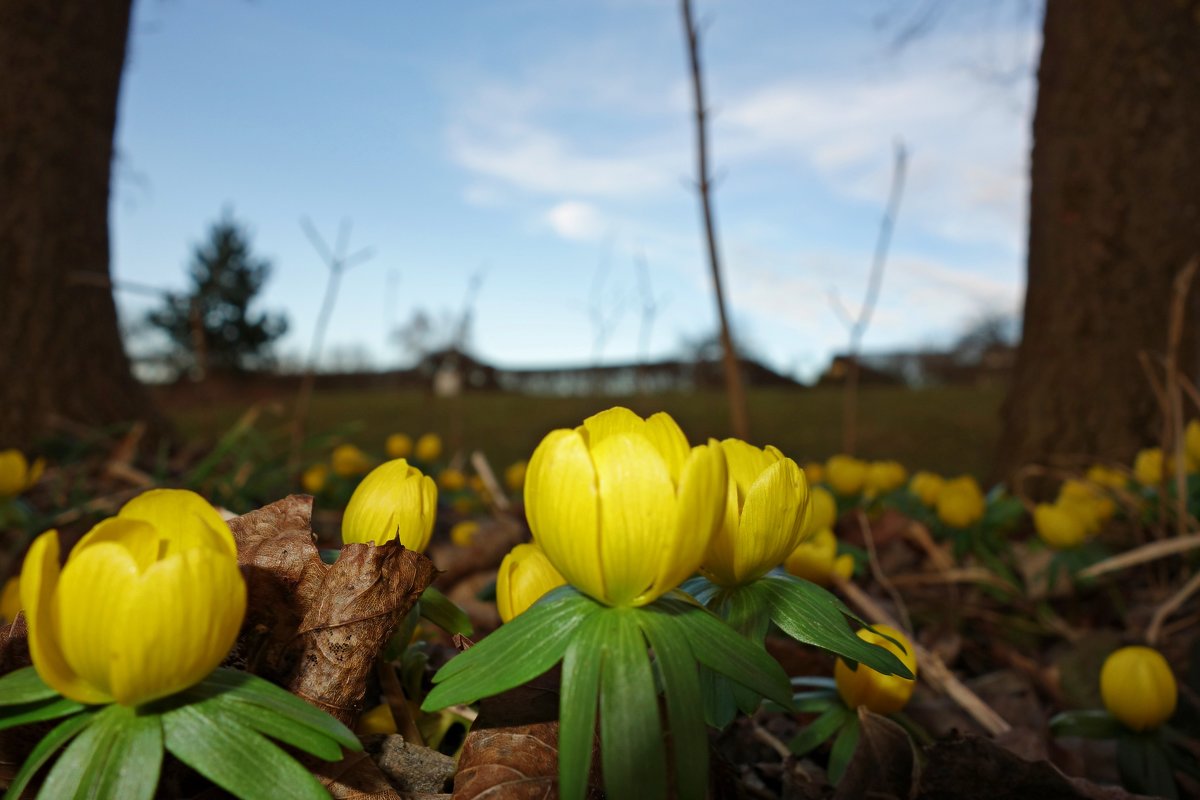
[815, 472]
[927, 486]
[452, 480]
[348, 461]
[394, 501]
[314, 478]
[378, 720]
[463, 533]
[525, 575]
[399, 445]
[428, 448]
[882, 694]
[1138, 687]
[961, 502]
[17, 474]
[514, 475]
[846, 475]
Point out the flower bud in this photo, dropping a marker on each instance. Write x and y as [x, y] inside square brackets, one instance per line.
[525, 575]
[314, 478]
[846, 475]
[452, 480]
[927, 486]
[1059, 526]
[348, 461]
[17, 474]
[816, 559]
[428, 448]
[394, 501]
[824, 509]
[863, 686]
[399, 445]
[514, 475]
[884, 476]
[1148, 467]
[961, 502]
[1138, 687]
[814, 471]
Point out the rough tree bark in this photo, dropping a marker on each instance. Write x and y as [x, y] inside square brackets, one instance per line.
[60, 75]
[1114, 215]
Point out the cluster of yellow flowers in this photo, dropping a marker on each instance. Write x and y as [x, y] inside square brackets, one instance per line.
[1151, 466]
[350, 461]
[1080, 510]
[816, 558]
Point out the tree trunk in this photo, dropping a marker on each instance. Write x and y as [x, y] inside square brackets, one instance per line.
[60, 76]
[1114, 215]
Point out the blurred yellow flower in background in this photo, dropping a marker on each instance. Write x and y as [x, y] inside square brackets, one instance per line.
[452, 480]
[1138, 687]
[884, 476]
[514, 475]
[1061, 527]
[814, 471]
[149, 603]
[817, 560]
[17, 474]
[1148, 467]
[1107, 477]
[961, 502]
[10, 600]
[525, 576]
[823, 507]
[399, 445]
[863, 686]
[623, 507]
[463, 533]
[314, 478]
[845, 475]
[394, 501]
[1089, 502]
[428, 448]
[348, 461]
[927, 486]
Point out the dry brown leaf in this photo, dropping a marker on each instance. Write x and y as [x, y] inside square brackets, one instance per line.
[884, 763]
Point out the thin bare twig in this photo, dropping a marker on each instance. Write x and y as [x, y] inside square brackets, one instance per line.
[483, 469]
[1141, 555]
[1173, 604]
[877, 570]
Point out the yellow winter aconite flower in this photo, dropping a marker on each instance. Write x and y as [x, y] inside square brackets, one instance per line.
[17, 474]
[1191, 444]
[348, 461]
[815, 472]
[1060, 526]
[961, 502]
[464, 532]
[824, 510]
[394, 501]
[845, 474]
[1107, 477]
[766, 514]
[622, 507]
[884, 476]
[525, 575]
[452, 480]
[1148, 467]
[428, 448]
[148, 604]
[927, 486]
[376, 720]
[817, 560]
[883, 694]
[1089, 503]
[10, 600]
[514, 475]
[398, 445]
[1138, 687]
[314, 478]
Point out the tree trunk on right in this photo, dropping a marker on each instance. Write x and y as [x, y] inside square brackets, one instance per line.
[1114, 216]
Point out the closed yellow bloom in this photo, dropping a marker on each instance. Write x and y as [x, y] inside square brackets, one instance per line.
[463, 533]
[1107, 477]
[1148, 467]
[1060, 526]
[766, 514]
[824, 509]
[394, 501]
[348, 461]
[927, 486]
[399, 445]
[149, 603]
[623, 507]
[817, 560]
[882, 694]
[815, 472]
[525, 575]
[1191, 444]
[314, 478]
[429, 448]
[452, 480]
[884, 476]
[17, 474]
[1089, 502]
[961, 502]
[846, 475]
[377, 720]
[514, 475]
[10, 600]
[1138, 687]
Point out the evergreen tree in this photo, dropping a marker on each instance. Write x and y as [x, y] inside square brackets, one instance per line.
[212, 329]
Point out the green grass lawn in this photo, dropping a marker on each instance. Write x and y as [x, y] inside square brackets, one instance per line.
[950, 429]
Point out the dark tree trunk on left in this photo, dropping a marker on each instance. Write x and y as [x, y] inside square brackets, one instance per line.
[60, 347]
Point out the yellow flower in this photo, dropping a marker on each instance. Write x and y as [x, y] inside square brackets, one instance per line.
[378, 720]
[314, 478]
[927, 486]
[1107, 477]
[17, 474]
[1060, 526]
[399, 445]
[961, 503]
[149, 602]
[817, 560]
[1191, 444]
[463, 533]
[10, 600]
[1138, 687]
[514, 475]
[824, 509]
[883, 694]
[1148, 467]
[525, 575]
[348, 461]
[846, 475]
[394, 501]
[429, 448]
[884, 476]
[477, 485]
[622, 507]
[1089, 503]
[452, 480]
[814, 471]
[766, 514]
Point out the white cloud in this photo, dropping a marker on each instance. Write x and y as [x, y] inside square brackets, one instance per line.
[576, 221]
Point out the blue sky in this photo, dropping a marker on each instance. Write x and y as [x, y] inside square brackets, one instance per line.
[543, 143]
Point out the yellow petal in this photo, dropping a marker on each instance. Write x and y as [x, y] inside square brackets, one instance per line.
[92, 610]
[563, 508]
[183, 519]
[843, 566]
[10, 600]
[138, 537]
[178, 622]
[722, 549]
[395, 499]
[746, 463]
[667, 437]
[39, 582]
[13, 469]
[774, 518]
[525, 576]
[618, 419]
[35, 472]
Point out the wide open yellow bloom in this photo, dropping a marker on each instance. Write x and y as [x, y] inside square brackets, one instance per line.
[394, 501]
[525, 575]
[863, 686]
[149, 603]
[1138, 687]
[961, 503]
[846, 475]
[766, 514]
[622, 507]
[816, 559]
[16, 473]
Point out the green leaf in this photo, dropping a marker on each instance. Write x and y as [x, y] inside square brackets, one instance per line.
[47, 747]
[514, 653]
[747, 609]
[720, 706]
[811, 615]
[812, 735]
[726, 652]
[1144, 766]
[843, 749]
[1086, 724]
[24, 686]
[269, 723]
[236, 758]
[814, 702]
[685, 708]
[582, 666]
[631, 735]
[119, 756]
[438, 609]
[51, 708]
